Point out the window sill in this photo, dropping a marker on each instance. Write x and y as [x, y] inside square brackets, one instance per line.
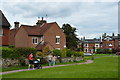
[57, 43]
[35, 43]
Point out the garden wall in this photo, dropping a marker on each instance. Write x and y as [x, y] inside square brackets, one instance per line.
[8, 62]
[71, 59]
[14, 62]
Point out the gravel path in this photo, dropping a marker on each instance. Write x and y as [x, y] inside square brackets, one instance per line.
[88, 61]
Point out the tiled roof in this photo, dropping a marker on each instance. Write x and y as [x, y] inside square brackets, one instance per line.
[3, 21]
[92, 41]
[37, 30]
[40, 46]
[113, 37]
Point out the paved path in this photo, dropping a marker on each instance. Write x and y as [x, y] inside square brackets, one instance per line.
[88, 61]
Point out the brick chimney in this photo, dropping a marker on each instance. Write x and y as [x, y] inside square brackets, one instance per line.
[40, 22]
[16, 24]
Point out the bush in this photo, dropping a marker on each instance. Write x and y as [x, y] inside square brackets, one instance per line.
[17, 52]
[40, 54]
[25, 51]
[7, 53]
[104, 51]
[76, 54]
[99, 51]
[81, 53]
[115, 50]
[11, 46]
[46, 50]
[57, 52]
[69, 53]
[64, 52]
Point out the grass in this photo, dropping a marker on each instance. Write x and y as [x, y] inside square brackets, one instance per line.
[14, 68]
[25, 67]
[103, 67]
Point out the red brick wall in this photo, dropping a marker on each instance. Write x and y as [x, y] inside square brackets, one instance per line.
[105, 44]
[30, 41]
[116, 44]
[21, 38]
[50, 36]
[91, 45]
[5, 37]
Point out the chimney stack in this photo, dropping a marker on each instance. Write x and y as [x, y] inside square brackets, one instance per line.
[42, 18]
[113, 34]
[40, 22]
[16, 24]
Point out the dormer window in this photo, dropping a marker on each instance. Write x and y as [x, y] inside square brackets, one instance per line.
[110, 44]
[35, 40]
[108, 39]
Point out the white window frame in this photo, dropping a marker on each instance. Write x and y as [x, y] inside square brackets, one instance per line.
[110, 44]
[33, 40]
[86, 45]
[57, 39]
[119, 42]
[97, 45]
[85, 49]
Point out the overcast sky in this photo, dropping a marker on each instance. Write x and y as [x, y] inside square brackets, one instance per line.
[91, 18]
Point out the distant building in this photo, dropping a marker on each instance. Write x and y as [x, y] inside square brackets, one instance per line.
[90, 45]
[41, 35]
[106, 42]
[4, 30]
[110, 42]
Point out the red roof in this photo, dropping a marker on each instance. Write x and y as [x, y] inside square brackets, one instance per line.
[37, 30]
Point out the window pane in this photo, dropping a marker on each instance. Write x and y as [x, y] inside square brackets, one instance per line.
[35, 39]
[1, 31]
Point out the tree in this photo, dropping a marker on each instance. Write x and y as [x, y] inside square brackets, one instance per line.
[71, 37]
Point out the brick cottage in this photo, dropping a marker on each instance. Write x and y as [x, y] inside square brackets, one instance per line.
[90, 45]
[111, 42]
[38, 36]
[4, 30]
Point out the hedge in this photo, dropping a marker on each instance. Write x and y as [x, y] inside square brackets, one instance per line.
[17, 52]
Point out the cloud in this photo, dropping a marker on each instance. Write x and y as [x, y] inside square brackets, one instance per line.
[90, 18]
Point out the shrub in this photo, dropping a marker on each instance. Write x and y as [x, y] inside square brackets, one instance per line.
[69, 53]
[99, 51]
[81, 53]
[45, 50]
[57, 52]
[76, 54]
[40, 54]
[17, 52]
[64, 52]
[7, 53]
[25, 51]
[105, 51]
[11, 46]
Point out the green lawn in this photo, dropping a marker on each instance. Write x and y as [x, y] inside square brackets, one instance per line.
[103, 67]
[26, 67]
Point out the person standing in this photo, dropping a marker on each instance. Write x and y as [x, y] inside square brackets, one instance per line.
[31, 61]
[54, 60]
[49, 57]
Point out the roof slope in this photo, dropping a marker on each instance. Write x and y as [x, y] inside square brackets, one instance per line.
[92, 41]
[3, 21]
[37, 30]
